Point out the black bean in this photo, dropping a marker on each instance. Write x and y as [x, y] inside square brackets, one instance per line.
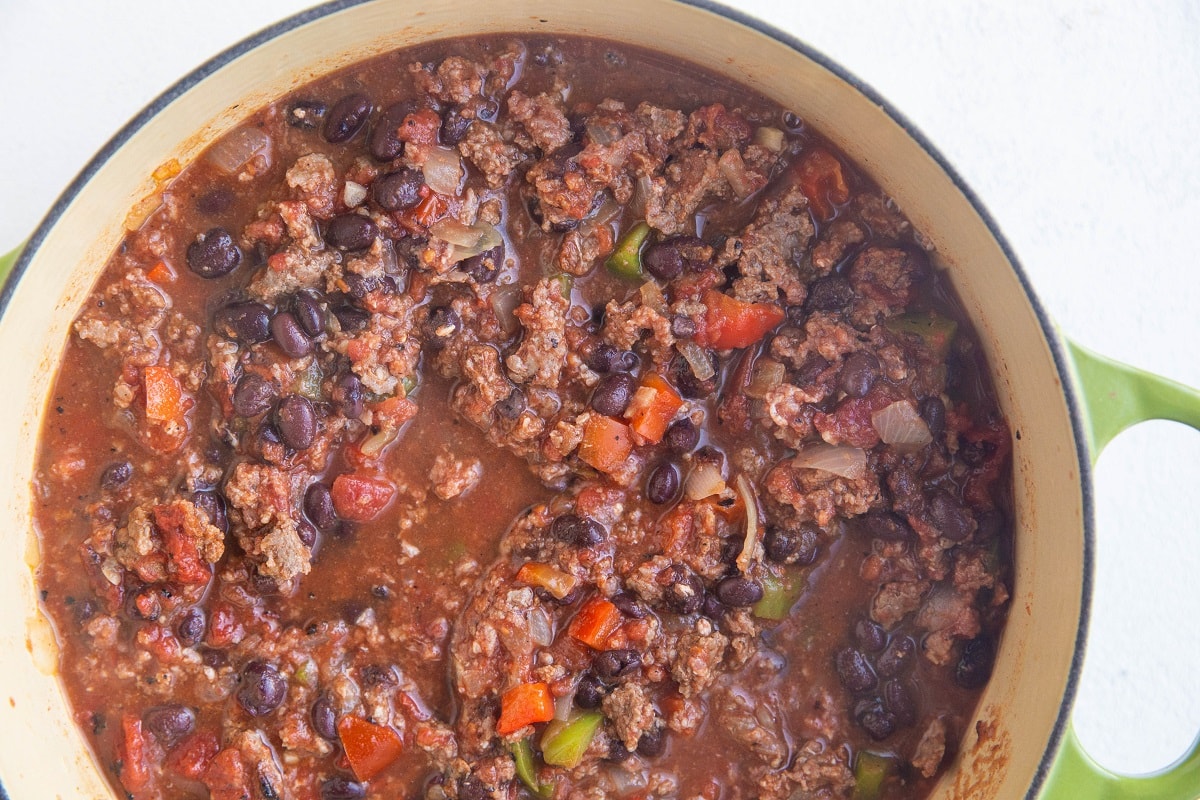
[291, 338]
[213, 254]
[296, 422]
[933, 411]
[810, 370]
[310, 314]
[263, 688]
[628, 605]
[577, 530]
[398, 190]
[213, 505]
[247, 322]
[324, 718]
[346, 118]
[253, 395]
[215, 201]
[612, 664]
[351, 232]
[663, 484]
[686, 381]
[831, 293]
[870, 635]
[683, 327]
[305, 114]
[348, 396]
[604, 358]
[169, 723]
[116, 475]
[653, 742]
[617, 751]
[612, 393]
[738, 591]
[899, 700]
[441, 325]
[682, 436]
[373, 675]
[713, 608]
[859, 373]
[191, 627]
[792, 545]
[954, 520]
[340, 788]
[472, 788]
[731, 548]
[854, 671]
[512, 405]
[886, 526]
[663, 260]
[685, 591]
[590, 692]
[897, 657]
[318, 506]
[990, 524]
[307, 533]
[975, 664]
[878, 722]
[383, 142]
[454, 126]
[484, 268]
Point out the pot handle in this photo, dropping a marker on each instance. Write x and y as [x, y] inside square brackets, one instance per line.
[6, 263]
[1116, 397]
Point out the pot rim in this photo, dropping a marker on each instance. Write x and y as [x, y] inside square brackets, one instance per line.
[1049, 330]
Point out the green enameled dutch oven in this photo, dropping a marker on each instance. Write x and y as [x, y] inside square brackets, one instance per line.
[1062, 402]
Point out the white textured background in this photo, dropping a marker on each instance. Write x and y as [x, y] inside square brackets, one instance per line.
[1078, 123]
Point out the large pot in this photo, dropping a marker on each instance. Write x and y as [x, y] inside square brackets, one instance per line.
[1063, 404]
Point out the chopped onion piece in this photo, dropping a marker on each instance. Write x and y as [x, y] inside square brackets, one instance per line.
[353, 194]
[237, 149]
[694, 354]
[750, 545]
[443, 170]
[563, 706]
[734, 170]
[652, 297]
[848, 462]
[387, 257]
[541, 628]
[643, 191]
[768, 373]
[704, 481]
[373, 445]
[468, 240]
[504, 303]
[601, 134]
[900, 425]
[770, 138]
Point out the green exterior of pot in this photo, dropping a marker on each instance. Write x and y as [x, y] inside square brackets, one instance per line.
[1115, 398]
[6, 263]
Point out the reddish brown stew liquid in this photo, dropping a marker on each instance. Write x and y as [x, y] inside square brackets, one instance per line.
[387, 619]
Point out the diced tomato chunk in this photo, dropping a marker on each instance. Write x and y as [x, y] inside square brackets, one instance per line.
[595, 623]
[360, 498]
[164, 395]
[606, 443]
[133, 753]
[225, 777]
[653, 407]
[731, 323]
[823, 183]
[369, 748]
[193, 755]
[524, 704]
[183, 556]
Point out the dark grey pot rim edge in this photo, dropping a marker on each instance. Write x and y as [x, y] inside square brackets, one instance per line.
[1061, 361]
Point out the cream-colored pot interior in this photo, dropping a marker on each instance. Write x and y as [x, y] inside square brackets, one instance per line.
[41, 753]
